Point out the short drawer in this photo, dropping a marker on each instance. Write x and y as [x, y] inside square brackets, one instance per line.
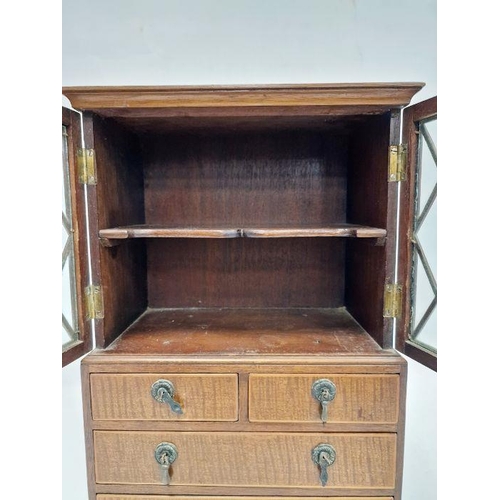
[201, 397]
[362, 461]
[358, 398]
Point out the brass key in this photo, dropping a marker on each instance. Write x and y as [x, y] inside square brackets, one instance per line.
[324, 462]
[324, 391]
[165, 454]
[323, 456]
[163, 391]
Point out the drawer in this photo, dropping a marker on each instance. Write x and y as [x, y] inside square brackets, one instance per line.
[358, 398]
[363, 461]
[202, 397]
[156, 497]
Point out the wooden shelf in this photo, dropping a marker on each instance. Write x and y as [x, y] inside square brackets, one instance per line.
[215, 331]
[111, 235]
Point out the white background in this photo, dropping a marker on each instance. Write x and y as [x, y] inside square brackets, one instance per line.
[246, 42]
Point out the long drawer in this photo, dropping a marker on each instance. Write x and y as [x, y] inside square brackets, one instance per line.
[369, 398]
[363, 461]
[200, 397]
[156, 497]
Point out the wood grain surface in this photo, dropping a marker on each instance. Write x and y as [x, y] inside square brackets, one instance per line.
[364, 461]
[359, 398]
[118, 198]
[245, 179]
[231, 497]
[244, 332]
[204, 397]
[245, 272]
[152, 231]
[368, 201]
[296, 96]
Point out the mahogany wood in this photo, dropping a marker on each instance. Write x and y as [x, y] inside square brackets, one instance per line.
[246, 272]
[149, 231]
[262, 232]
[244, 180]
[244, 332]
[118, 198]
[367, 266]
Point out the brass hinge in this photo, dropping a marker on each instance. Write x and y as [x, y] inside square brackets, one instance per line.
[397, 162]
[393, 295]
[86, 166]
[93, 302]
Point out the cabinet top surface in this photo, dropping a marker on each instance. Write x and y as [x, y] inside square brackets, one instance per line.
[375, 96]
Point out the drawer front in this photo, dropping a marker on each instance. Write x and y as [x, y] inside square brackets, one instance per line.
[202, 397]
[156, 497]
[358, 398]
[246, 459]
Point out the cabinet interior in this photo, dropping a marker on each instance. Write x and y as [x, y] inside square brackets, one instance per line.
[221, 226]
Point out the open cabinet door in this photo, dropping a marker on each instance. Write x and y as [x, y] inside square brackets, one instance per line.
[417, 327]
[76, 329]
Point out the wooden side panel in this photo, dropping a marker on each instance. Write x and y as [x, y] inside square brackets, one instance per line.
[117, 199]
[371, 200]
[246, 272]
[71, 120]
[128, 397]
[364, 461]
[359, 398]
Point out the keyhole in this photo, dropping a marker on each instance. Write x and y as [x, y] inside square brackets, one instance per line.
[164, 459]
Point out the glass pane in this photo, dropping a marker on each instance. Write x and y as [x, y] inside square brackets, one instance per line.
[427, 175]
[424, 272]
[69, 312]
[428, 334]
[427, 236]
[431, 126]
[424, 294]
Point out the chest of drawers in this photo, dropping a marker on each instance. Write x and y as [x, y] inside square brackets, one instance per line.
[242, 291]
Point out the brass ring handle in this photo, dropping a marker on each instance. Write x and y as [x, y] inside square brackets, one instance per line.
[163, 391]
[166, 454]
[323, 456]
[324, 391]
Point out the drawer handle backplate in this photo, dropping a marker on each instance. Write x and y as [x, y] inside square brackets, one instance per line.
[324, 391]
[166, 455]
[323, 456]
[163, 391]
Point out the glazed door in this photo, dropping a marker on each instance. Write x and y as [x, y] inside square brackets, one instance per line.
[76, 329]
[417, 326]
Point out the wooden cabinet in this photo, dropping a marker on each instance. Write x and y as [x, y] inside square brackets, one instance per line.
[243, 291]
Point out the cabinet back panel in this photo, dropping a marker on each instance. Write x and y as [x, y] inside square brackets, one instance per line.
[245, 178]
[284, 272]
